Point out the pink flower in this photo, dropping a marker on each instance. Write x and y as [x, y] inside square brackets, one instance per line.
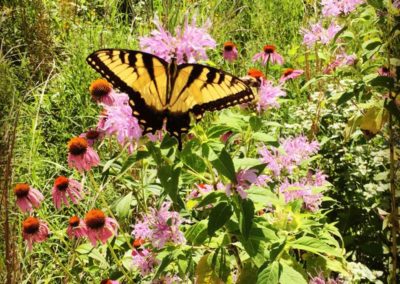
[188, 46]
[76, 228]
[396, 4]
[201, 189]
[64, 186]
[320, 279]
[269, 55]
[80, 155]
[27, 197]
[341, 59]
[99, 227]
[167, 279]
[160, 227]
[384, 71]
[224, 137]
[92, 135]
[293, 152]
[290, 74]
[268, 96]
[120, 122]
[34, 230]
[102, 92]
[245, 179]
[230, 51]
[317, 33]
[144, 260]
[338, 7]
[301, 190]
[109, 281]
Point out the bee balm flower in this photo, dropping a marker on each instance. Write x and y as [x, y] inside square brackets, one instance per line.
[269, 55]
[64, 186]
[27, 197]
[99, 227]
[80, 155]
[34, 230]
[230, 51]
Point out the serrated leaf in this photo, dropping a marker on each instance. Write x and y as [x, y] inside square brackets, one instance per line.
[219, 215]
[205, 274]
[314, 245]
[124, 205]
[197, 233]
[224, 165]
[270, 274]
[289, 275]
[246, 217]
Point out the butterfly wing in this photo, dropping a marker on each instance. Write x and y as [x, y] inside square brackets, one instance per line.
[198, 88]
[143, 76]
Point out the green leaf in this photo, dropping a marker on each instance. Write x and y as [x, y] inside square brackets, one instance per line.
[164, 263]
[155, 152]
[205, 274]
[289, 275]
[270, 274]
[224, 165]
[393, 109]
[248, 274]
[314, 245]
[197, 233]
[211, 198]
[255, 123]
[372, 44]
[169, 179]
[383, 81]
[216, 131]
[168, 142]
[219, 215]
[246, 217]
[124, 205]
[345, 97]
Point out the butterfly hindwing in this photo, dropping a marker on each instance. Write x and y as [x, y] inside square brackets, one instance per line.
[143, 76]
[199, 88]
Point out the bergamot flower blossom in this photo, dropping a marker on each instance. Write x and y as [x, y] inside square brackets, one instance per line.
[27, 197]
[187, 46]
[160, 227]
[268, 95]
[80, 155]
[34, 230]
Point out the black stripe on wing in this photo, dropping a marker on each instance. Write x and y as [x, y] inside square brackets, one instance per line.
[150, 118]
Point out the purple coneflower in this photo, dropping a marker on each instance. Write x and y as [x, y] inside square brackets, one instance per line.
[269, 55]
[92, 136]
[34, 230]
[290, 74]
[109, 281]
[76, 228]
[384, 71]
[102, 92]
[230, 51]
[80, 155]
[27, 197]
[99, 227]
[64, 186]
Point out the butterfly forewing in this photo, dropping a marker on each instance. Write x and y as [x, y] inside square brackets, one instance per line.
[142, 76]
[200, 88]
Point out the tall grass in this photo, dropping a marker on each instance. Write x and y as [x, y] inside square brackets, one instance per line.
[45, 44]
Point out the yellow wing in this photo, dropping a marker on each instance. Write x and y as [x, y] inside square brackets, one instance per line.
[143, 76]
[199, 88]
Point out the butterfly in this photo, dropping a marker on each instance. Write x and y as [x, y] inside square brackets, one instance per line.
[161, 92]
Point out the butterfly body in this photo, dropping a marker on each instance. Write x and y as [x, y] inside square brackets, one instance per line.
[166, 93]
